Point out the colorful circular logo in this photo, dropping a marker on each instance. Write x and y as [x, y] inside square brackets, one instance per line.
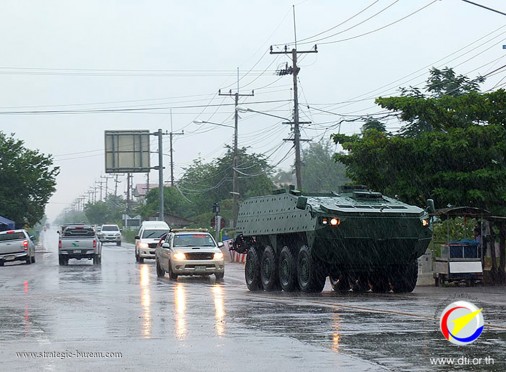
[461, 323]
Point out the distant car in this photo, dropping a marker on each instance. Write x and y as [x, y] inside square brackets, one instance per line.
[189, 252]
[147, 238]
[109, 234]
[16, 245]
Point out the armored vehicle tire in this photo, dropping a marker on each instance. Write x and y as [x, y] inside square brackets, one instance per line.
[252, 270]
[172, 274]
[403, 277]
[360, 282]
[159, 271]
[287, 270]
[309, 272]
[269, 269]
[341, 284]
[379, 282]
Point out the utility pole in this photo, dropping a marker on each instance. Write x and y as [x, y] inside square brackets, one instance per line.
[116, 181]
[172, 156]
[100, 188]
[294, 71]
[235, 183]
[106, 178]
[160, 134]
[129, 175]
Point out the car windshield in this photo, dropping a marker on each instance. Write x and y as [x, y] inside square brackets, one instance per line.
[110, 228]
[193, 240]
[155, 234]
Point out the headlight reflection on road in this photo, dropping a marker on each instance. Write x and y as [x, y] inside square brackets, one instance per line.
[180, 304]
[26, 318]
[219, 308]
[145, 301]
[335, 332]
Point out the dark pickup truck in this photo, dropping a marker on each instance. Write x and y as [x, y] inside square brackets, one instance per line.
[79, 242]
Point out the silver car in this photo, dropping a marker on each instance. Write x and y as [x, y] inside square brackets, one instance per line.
[189, 252]
[16, 245]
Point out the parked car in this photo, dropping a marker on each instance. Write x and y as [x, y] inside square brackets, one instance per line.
[109, 233]
[16, 245]
[147, 238]
[189, 252]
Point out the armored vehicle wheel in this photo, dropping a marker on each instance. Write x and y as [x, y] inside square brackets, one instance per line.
[309, 272]
[341, 284]
[360, 282]
[252, 270]
[403, 278]
[172, 274]
[269, 269]
[287, 270]
[379, 283]
[159, 271]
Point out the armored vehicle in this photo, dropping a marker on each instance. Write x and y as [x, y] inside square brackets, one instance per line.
[361, 239]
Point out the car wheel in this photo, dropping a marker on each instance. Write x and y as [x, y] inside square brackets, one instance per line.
[118, 243]
[172, 274]
[219, 276]
[33, 259]
[1, 263]
[136, 257]
[28, 260]
[159, 271]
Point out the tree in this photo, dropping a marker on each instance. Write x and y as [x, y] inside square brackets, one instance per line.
[27, 181]
[204, 184]
[456, 157]
[320, 172]
[107, 211]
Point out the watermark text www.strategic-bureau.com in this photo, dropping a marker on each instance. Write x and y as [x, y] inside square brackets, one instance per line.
[67, 354]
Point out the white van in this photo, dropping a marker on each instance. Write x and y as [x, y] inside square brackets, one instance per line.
[147, 238]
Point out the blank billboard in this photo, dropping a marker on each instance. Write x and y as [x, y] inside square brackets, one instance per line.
[127, 151]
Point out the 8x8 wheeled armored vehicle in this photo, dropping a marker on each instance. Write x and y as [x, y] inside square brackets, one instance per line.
[359, 238]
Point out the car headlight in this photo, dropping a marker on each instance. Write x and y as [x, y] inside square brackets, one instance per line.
[179, 256]
[143, 245]
[218, 256]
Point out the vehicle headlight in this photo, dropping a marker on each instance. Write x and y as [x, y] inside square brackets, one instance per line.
[179, 256]
[218, 256]
[425, 222]
[143, 245]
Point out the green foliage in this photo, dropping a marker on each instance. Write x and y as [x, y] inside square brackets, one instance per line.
[27, 181]
[459, 161]
[108, 211]
[204, 184]
[454, 229]
[320, 172]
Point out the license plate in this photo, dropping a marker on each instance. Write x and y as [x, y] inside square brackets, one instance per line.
[77, 251]
[200, 268]
[9, 258]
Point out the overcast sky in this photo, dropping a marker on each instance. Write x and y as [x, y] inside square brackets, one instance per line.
[70, 70]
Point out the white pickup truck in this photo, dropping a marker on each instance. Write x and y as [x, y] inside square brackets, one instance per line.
[79, 242]
[16, 245]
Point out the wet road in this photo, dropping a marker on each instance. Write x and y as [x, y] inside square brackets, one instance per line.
[120, 316]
